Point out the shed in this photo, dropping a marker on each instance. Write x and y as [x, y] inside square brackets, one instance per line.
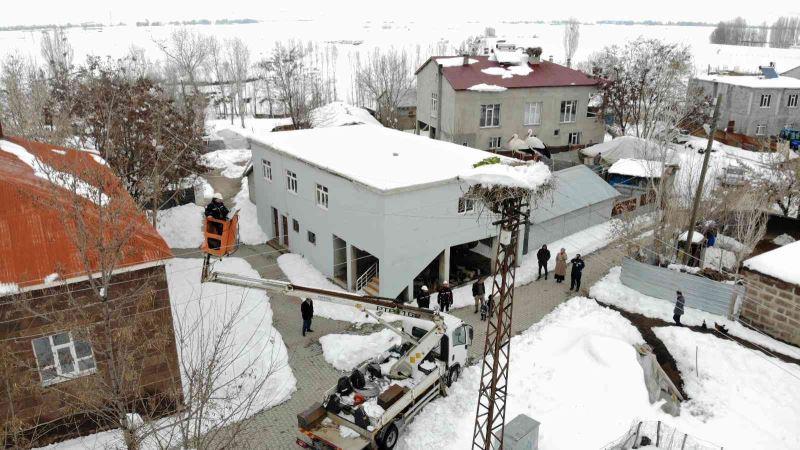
[580, 199]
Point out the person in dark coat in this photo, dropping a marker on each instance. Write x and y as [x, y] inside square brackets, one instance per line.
[424, 299]
[216, 210]
[478, 291]
[445, 297]
[543, 256]
[490, 306]
[307, 311]
[576, 273]
[678, 311]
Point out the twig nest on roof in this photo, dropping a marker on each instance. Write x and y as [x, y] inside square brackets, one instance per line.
[495, 179]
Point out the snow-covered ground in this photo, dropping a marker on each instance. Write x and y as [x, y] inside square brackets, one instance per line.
[610, 289]
[181, 226]
[251, 125]
[346, 351]
[256, 349]
[576, 372]
[231, 161]
[739, 398]
[250, 231]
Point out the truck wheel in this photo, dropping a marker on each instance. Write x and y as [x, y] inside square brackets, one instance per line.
[452, 377]
[389, 437]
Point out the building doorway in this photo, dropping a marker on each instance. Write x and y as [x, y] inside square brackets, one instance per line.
[340, 261]
[285, 221]
[275, 230]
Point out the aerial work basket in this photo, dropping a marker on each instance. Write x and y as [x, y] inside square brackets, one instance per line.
[220, 237]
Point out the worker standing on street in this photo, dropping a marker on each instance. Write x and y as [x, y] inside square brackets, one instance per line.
[478, 291]
[307, 312]
[543, 257]
[576, 273]
[424, 299]
[678, 311]
[445, 297]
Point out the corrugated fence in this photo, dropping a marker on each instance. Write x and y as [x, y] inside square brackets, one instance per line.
[700, 293]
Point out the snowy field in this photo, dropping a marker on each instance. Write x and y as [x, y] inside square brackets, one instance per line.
[421, 38]
[740, 398]
[576, 372]
[256, 348]
[610, 289]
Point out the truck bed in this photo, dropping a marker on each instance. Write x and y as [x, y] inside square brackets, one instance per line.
[330, 434]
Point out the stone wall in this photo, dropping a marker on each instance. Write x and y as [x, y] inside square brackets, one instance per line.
[772, 306]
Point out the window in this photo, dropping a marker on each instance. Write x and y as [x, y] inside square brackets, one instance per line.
[295, 225]
[533, 113]
[555, 132]
[761, 129]
[568, 109]
[494, 143]
[291, 181]
[312, 238]
[792, 102]
[322, 196]
[434, 105]
[490, 116]
[60, 357]
[266, 168]
[460, 336]
[765, 100]
[465, 205]
[574, 139]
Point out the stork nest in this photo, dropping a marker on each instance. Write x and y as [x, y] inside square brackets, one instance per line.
[492, 197]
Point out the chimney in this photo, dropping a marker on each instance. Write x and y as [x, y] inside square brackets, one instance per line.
[465, 61]
[551, 58]
[534, 55]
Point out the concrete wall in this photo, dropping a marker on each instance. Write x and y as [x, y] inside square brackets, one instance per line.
[700, 293]
[743, 105]
[772, 306]
[404, 229]
[461, 112]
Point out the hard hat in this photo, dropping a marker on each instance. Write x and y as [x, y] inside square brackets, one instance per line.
[445, 282]
[217, 195]
[424, 288]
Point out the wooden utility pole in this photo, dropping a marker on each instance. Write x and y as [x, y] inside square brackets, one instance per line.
[698, 195]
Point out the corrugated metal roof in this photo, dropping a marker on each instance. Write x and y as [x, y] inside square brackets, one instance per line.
[39, 224]
[575, 188]
[544, 74]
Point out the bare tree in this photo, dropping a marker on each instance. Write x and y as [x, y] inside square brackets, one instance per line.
[188, 50]
[293, 80]
[572, 34]
[386, 77]
[238, 65]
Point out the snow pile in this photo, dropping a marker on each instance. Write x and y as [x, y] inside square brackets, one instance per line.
[202, 309]
[8, 289]
[780, 263]
[529, 176]
[739, 398]
[783, 239]
[454, 61]
[509, 72]
[337, 114]
[728, 243]
[250, 232]
[64, 180]
[299, 271]
[231, 161]
[637, 168]
[251, 125]
[346, 351]
[483, 87]
[610, 289]
[576, 372]
[181, 226]
[626, 147]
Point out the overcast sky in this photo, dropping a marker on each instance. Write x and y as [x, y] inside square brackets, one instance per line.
[62, 11]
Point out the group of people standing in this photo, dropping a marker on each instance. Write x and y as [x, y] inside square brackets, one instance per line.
[444, 297]
[578, 264]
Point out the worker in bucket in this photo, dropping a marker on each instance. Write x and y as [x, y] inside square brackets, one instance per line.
[216, 210]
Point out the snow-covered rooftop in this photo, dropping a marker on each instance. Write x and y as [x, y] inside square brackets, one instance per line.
[780, 263]
[754, 81]
[337, 114]
[378, 157]
[637, 168]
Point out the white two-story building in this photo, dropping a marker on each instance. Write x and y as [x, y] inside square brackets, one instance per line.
[373, 208]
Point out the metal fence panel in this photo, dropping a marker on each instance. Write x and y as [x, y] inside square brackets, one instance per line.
[700, 293]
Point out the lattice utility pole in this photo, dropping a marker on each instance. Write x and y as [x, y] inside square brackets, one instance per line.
[491, 413]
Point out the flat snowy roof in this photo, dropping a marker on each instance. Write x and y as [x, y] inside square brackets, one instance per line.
[780, 263]
[637, 168]
[379, 157]
[754, 81]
